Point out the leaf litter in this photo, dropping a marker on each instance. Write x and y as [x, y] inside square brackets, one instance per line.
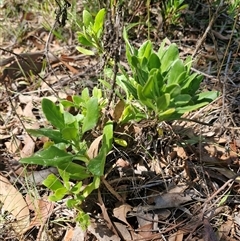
[164, 182]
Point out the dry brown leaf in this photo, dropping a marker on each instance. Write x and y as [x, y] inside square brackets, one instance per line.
[169, 200]
[145, 223]
[68, 235]
[26, 65]
[25, 99]
[226, 172]
[71, 68]
[43, 209]
[105, 214]
[123, 230]
[37, 177]
[29, 146]
[209, 234]
[180, 152]
[122, 163]
[27, 111]
[178, 236]
[225, 229]
[118, 110]
[146, 230]
[29, 16]
[14, 145]
[94, 147]
[14, 203]
[121, 212]
[220, 154]
[101, 232]
[78, 234]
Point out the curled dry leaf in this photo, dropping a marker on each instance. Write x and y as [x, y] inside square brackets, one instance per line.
[121, 212]
[101, 232]
[43, 210]
[14, 145]
[145, 223]
[178, 236]
[28, 148]
[14, 203]
[93, 149]
[122, 163]
[117, 113]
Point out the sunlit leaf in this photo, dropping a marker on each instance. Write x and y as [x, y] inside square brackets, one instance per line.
[84, 51]
[87, 18]
[99, 21]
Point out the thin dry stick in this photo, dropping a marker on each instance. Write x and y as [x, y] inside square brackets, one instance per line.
[117, 51]
[111, 190]
[224, 90]
[215, 15]
[229, 182]
[229, 43]
[47, 51]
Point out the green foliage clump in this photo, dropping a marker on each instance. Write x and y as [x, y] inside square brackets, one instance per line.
[91, 33]
[161, 83]
[67, 149]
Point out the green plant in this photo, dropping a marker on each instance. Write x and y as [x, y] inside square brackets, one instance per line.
[233, 8]
[171, 11]
[91, 33]
[162, 85]
[68, 149]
